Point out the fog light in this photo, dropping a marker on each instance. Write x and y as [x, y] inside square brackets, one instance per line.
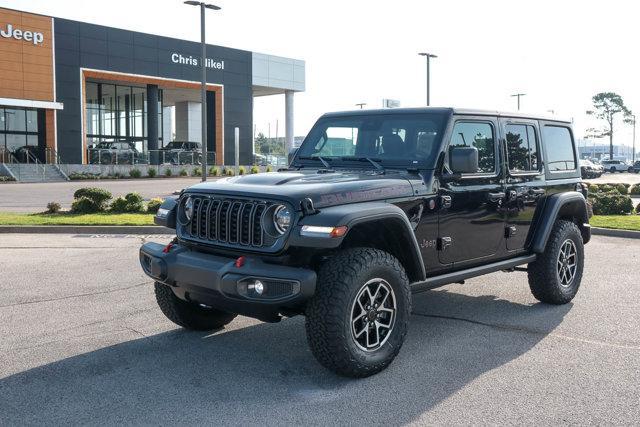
[257, 286]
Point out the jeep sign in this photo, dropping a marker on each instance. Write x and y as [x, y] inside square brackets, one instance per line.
[29, 36]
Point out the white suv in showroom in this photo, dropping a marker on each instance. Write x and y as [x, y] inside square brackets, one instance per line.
[612, 166]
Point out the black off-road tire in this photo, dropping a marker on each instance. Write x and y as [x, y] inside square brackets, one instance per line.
[189, 315]
[543, 275]
[328, 314]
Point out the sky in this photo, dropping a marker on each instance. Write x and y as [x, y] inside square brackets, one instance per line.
[560, 53]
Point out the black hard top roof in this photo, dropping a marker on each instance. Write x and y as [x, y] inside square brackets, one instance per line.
[446, 110]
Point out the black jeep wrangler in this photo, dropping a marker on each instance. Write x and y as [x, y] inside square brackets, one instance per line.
[375, 206]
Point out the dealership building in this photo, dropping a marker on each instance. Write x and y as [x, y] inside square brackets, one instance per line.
[67, 87]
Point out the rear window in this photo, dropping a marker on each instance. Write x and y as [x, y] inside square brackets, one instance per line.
[559, 148]
[522, 148]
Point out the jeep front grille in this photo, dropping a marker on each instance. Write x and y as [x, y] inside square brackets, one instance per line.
[228, 222]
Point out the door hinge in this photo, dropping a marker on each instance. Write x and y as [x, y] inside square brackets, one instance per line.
[445, 202]
[510, 231]
[444, 243]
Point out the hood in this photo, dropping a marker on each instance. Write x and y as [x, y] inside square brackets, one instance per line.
[324, 189]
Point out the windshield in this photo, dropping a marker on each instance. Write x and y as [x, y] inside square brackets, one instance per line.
[174, 145]
[391, 139]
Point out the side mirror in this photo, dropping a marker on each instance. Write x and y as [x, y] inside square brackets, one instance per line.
[463, 159]
[292, 154]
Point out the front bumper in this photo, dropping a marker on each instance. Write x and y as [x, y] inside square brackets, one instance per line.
[215, 281]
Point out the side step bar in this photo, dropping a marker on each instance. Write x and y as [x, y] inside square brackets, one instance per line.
[458, 276]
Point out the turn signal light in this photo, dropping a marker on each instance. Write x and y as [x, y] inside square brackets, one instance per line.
[240, 261]
[338, 231]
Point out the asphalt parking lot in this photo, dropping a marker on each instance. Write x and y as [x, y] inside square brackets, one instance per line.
[82, 342]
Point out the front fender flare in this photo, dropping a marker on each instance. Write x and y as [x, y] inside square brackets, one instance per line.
[352, 215]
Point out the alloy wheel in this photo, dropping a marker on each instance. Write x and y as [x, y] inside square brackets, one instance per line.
[567, 263]
[373, 314]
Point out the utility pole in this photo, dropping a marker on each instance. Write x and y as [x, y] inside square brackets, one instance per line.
[361, 104]
[518, 95]
[428, 56]
[203, 87]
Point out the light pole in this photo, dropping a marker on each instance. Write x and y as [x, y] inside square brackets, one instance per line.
[361, 104]
[203, 88]
[633, 155]
[518, 95]
[428, 56]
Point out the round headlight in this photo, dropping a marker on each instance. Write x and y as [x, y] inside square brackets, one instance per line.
[188, 208]
[282, 219]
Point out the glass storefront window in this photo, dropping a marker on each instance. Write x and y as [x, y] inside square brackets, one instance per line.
[121, 116]
[18, 128]
[15, 119]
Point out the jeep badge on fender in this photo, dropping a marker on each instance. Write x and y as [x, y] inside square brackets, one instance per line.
[376, 205]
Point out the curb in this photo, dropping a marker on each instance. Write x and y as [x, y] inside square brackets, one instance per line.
[85, 229]
[613, 232]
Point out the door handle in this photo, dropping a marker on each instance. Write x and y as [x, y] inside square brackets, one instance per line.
[494, 197]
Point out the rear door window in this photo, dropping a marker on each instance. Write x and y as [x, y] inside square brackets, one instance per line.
[522, 148]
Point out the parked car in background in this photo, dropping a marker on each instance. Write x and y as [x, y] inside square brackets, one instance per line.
[635, 168]
[588, 169]
[612, 165]
[115, 152]
[182, 153]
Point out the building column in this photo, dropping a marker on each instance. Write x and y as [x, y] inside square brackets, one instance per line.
[288, 121]
[152, 122]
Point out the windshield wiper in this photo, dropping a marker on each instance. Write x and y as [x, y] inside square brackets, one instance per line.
[374, 161]
[323, 161]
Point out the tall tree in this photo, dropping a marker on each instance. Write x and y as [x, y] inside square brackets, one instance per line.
[606, 106]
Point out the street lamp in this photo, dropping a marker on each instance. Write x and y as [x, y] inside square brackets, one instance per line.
[361, 104]
[633, 155]
[518, 95]
[428, 56]
[203, 88]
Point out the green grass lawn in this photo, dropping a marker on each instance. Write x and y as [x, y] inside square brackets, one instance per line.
[7, 218]
[624, 222]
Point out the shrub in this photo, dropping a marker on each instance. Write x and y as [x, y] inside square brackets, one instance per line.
[135, 173]
[608, 188]
[151, 172]
[132, 203]
[622, 188]
[230, 172]
[269, 169]
[183, 172]
[6, 178]
[213, 171]
[167, 172]
[154, 205]
[196, 172]
[98, 196]
[254, 169]
[635, 190]
[241, 170]
[84, 205]
[83, 175]
[638, 209]
[53, 207]
[611, 204]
